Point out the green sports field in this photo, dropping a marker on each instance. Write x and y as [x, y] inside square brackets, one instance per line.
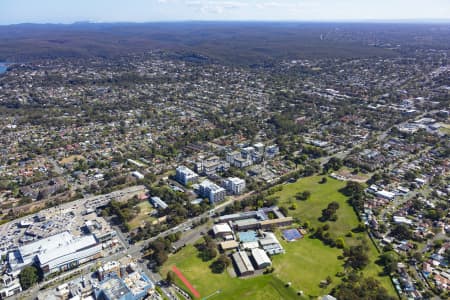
[200, 276]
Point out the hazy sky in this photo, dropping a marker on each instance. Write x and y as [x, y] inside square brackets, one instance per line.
[68, 11]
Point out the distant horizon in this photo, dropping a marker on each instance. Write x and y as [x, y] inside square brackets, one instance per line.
[331, 21]
[15, 12]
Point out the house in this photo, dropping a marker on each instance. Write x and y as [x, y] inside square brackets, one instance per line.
[272, 150]
[442, 280]
[402, 220]
[43, 189]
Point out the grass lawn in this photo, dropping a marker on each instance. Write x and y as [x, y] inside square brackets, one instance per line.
[306, 263]
[445, 129]
[71, 159]
[347, 172]
[321, 195]
[143, 216]
[308, 252]
[265, 287]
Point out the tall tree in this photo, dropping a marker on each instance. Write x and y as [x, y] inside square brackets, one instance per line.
[28, 277]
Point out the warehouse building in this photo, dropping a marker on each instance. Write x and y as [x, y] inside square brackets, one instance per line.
[261, 259]
[243, 263]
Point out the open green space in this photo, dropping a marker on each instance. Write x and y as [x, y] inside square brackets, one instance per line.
[307, 252]
[143, 216]
[321, 195]
[306, 262]
[200, 276]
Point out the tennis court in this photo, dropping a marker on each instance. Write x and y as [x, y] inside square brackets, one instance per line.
[291, 235]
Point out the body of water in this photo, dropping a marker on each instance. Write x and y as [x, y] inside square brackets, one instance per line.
[3, 67]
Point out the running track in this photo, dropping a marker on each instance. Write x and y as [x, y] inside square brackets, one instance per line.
[186, 282]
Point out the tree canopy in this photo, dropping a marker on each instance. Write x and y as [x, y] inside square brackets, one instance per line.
[28, 277]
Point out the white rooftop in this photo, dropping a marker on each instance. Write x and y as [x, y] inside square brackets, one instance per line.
[236, 180]
[49, 243]
[260, 256]
[67, 248]
[188, 172]
[221, 228]
[211, 185]
[385, 194]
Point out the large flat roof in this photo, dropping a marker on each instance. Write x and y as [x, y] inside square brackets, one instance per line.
[246, 222]
[221, 228]
[46, 244]
[65, 249]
